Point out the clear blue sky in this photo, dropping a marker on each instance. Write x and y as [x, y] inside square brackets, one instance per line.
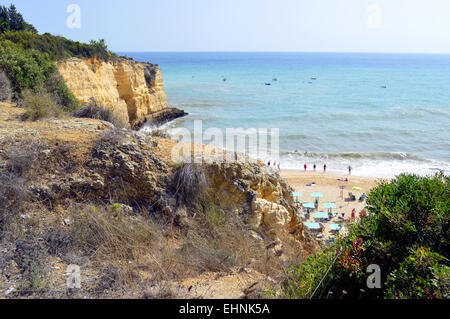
[251, 25]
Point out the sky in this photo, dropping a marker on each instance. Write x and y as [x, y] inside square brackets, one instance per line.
[398, 26]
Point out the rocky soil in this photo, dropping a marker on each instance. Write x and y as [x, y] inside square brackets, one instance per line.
[79, 191]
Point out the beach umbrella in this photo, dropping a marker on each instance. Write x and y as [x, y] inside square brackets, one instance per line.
[309, 205]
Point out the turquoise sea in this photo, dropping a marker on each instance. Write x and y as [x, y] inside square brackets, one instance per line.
[381, 113]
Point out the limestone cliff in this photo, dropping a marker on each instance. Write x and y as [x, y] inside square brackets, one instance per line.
[133, 91]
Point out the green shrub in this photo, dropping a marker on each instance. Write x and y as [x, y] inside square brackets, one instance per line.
[305, 281]
[60, 93]
[406, 234]
[28, 58]
[420, 275]
[35, 71]
[27, 69]
[39, 106]
[58, 47]
[14, 28]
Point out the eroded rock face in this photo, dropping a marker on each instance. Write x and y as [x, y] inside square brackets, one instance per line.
[122, 167]
[133, 91]
[263, 198]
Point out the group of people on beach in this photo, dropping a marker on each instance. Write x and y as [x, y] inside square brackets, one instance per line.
[275, 165]
[315, 167]
[325, 168]
[362, 214]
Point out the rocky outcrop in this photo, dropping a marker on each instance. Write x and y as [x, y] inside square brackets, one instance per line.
[86, 160]
[133, 91]
[57, 174]
[126, 167]
[263, 199]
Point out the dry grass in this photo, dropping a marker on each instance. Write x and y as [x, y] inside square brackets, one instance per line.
[98, 112]
[218, 242]
[135, 253]
[116, 241]
[108, 231]
[22, 159]
[141, 251]
[190, 183]
[13, 195]
[30, 256]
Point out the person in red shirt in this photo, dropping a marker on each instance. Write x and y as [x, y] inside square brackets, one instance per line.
[325, 168]
[363, 213]
[353, 214]
[305, 167]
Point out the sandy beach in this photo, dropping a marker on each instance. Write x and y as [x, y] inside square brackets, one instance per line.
[329, 185]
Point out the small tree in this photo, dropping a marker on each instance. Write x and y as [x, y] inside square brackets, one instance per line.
[4, 19]
[100, 49]
[17, 22]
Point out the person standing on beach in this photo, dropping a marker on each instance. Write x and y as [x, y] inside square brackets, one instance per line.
[349, 170]
[268, 163]
[314, 167]
[325, 168]
[305, 167]
[363, 213]
[279, 167]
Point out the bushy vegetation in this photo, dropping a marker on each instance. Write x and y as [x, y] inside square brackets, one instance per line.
[34, 71]
[58, 47]
[14, 28]
[28, 59]
[39, 106]
[27, 69]
[406, 234]
[11, 20]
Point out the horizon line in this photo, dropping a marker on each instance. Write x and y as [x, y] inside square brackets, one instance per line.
[336, 52]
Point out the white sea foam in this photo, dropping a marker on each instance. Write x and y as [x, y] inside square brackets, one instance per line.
[367, 166]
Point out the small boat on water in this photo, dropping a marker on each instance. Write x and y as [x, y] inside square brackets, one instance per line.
[268, 83]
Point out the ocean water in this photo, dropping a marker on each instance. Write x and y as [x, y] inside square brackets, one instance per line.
[383, 114]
